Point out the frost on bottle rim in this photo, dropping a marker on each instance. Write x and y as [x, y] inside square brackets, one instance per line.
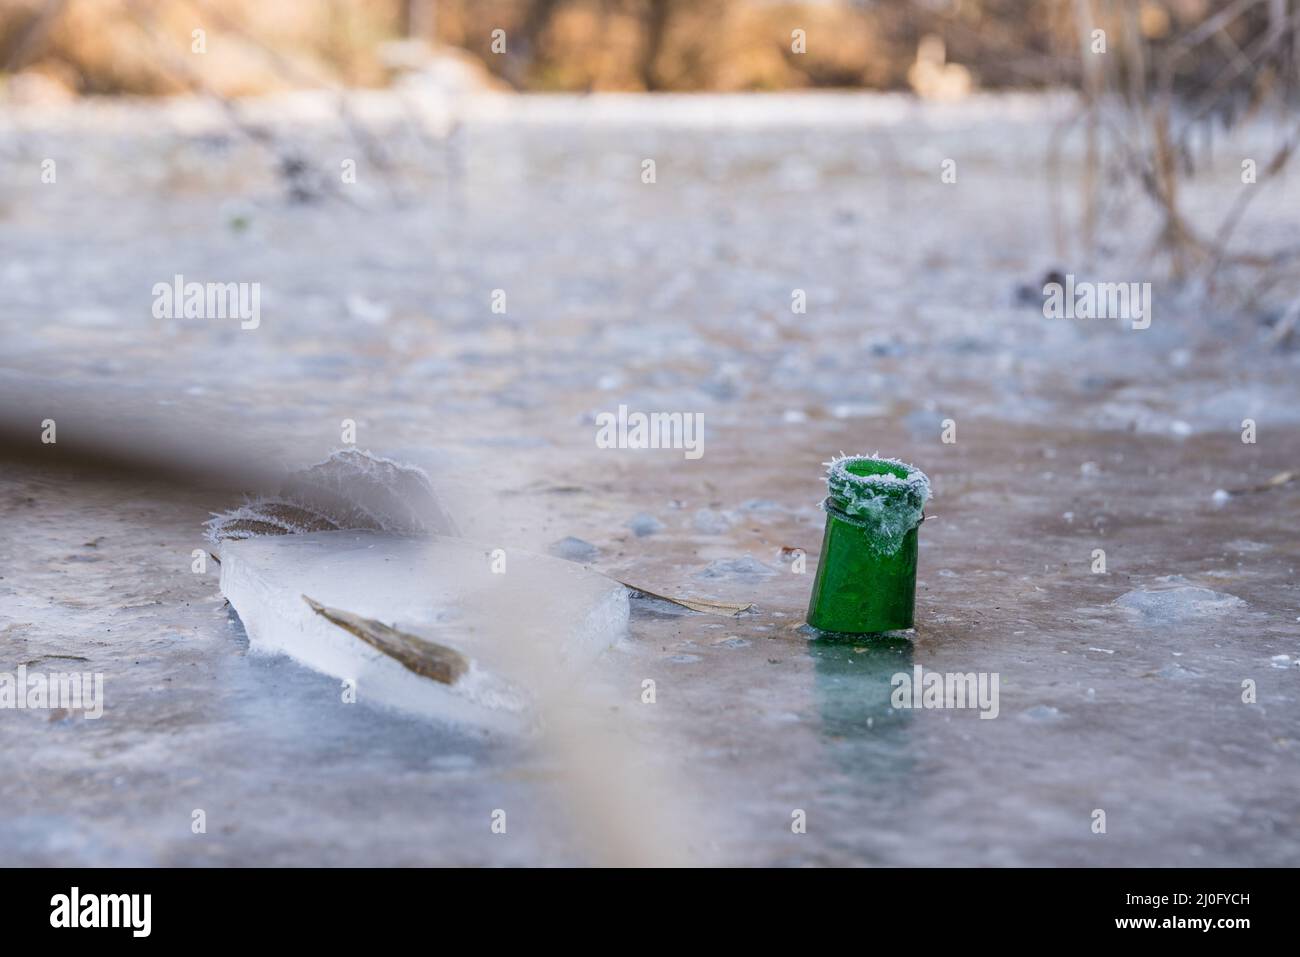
[884, 496]
[866, 578]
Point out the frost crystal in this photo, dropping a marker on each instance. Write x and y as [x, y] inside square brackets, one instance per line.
[351, 489]
[885, 496]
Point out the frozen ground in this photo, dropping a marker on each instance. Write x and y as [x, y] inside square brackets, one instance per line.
[1119, 691]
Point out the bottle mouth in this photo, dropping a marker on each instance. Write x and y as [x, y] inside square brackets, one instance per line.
[885, 496]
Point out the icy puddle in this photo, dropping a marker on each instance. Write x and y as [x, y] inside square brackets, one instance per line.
[453, 601]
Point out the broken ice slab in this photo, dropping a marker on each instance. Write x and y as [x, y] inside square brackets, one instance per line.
[508, 612]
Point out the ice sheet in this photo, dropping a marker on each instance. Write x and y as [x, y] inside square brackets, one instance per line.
[672, 297]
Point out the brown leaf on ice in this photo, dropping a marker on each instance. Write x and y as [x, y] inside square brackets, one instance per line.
[1281, 478]
[725, 608]
[426, 658]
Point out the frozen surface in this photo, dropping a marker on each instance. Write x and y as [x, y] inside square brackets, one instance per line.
[441, 589]
[676, 296]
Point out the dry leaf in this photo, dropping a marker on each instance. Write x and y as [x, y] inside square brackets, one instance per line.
[426, 658]
[724, 608]
[1281, 478]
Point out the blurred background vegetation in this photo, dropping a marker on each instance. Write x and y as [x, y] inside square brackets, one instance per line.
[934, 47]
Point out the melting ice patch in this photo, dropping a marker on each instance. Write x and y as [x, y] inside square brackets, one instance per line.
[747, 569]
[1175, 599]
[573, 549]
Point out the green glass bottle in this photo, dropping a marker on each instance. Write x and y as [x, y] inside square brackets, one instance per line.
[866, 579]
